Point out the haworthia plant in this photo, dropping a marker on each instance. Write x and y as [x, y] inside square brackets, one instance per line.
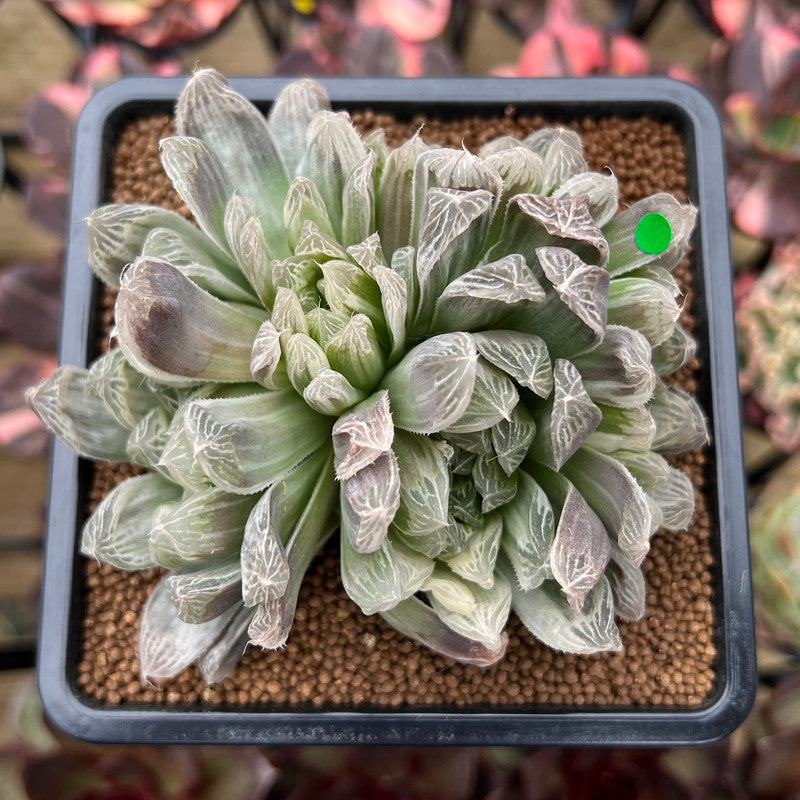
[461, 360]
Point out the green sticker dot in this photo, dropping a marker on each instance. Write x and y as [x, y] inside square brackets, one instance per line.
[653, 233]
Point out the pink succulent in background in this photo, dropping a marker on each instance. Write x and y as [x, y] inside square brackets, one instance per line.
[564, 45]
[154, 24]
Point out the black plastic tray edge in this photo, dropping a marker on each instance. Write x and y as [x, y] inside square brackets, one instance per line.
[624, 727]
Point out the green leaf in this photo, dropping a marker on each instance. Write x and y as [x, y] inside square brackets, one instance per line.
[201, 181]
[523, 356]
[219, 661]
[117, 233]
[333, 148]
[424, 485]
[464, 504]
[432, 386]
[675, 499]
[249, 247]
[453, 226]
[205, 525]
[81, 421]
[203, 592]
[267, 365]
[625, 254]
[378, 581]
[484, 296]
[616, 498]
[680, 424]
[396, 188]
[546, 613]
[477, 560]
[566, 420]
[645, 305]
[650, 469]
[623, 429]
[674, 352]
[627, 585]
[358, 201]
[493, 398]
[618, 372]
[237, 133]
[148, 438]
[494, 485]
[228, 436]
[272, 621]
[330, 393]
[362, 435]
[512, 438]
[602, 192]
[479, 442]
[448, 593]
[349, 290]
[167, 645]
[369, 502]
[356, 353]
[304, 202]
[561, 151]
[419, 622]
[178, 459]
[117, 531]
[528, 531]
[291, 115]
[305, 359]
[114, 381]
[174, 332]
[485, 620]
[287, 313]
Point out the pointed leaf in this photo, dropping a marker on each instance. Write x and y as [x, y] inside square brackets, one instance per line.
[432, 386]
[623, 428]
[330, 393]
[358, 201]
[356, 352]
[304, 202]
[680, 423]
[561, 151]
[628, 586]
[494, 397]
[675, 499]
[267, 365]
[117, 532]
[477, 560]
[512, 438]
[645, 305]
[174, 332]
[362, 435]
[219, 661]
[494, 485]
[148, 438]
[167, 645]
[523, 356]
[201, 593]
[674, 352]
[602, 191]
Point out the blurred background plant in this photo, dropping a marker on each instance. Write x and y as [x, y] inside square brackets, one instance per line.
[745, 53]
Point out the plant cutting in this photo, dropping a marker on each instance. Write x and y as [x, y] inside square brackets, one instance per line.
[457, 360]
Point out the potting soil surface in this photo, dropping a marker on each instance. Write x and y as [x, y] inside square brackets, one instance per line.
[338, 658]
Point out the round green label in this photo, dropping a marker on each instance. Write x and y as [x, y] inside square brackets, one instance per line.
[653, 233]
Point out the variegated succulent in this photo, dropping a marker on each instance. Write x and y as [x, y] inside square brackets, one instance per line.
[455, 359]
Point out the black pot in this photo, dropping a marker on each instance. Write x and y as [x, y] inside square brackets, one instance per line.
[62, 607]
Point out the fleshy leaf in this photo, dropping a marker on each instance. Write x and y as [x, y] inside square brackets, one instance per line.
[528, 531]
[290, 116]
[362, 435]
[228, 436]
[267, 365]
[464, 503]
[448, 592]
[167, 645]
[305, 359]
[615, 497]
[650, 469]
[419, 622]
[178, 460]
[432, 386]
[628, 586]
[644, 305]
[237, 133]
[494, 397]
[424, 485]
[621, 234]
[623, 428]
[201, 593]
[561, 152]
[512, 438]
[287, 313]
[680, 424]
[304, 202]
[333, 148]
[205, 525]
[201, 181]
[117, 531]
[148, 438]
[356, 353]
[82, 422]
[116, 235]
[566, 420]
[546, 613]
[484, 296]
[523, 356]
[220, 660]
[369, 502]
[249, 247]
[378, 581]
[674, 352]
[675, 499]
[358, 201]
[477, 560]
[174, 332]
[496, 488]
[485, 621]
[330, 393]
[602, 192]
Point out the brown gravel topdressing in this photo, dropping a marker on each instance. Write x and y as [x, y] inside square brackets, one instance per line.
[336, 657]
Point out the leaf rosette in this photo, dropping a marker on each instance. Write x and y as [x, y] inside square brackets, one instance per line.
[456, 360]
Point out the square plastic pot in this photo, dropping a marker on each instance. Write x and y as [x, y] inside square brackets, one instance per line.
[662, 99]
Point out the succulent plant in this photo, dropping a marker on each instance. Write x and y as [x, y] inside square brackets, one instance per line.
[459, 360]
[775, 544]
[768, 325]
